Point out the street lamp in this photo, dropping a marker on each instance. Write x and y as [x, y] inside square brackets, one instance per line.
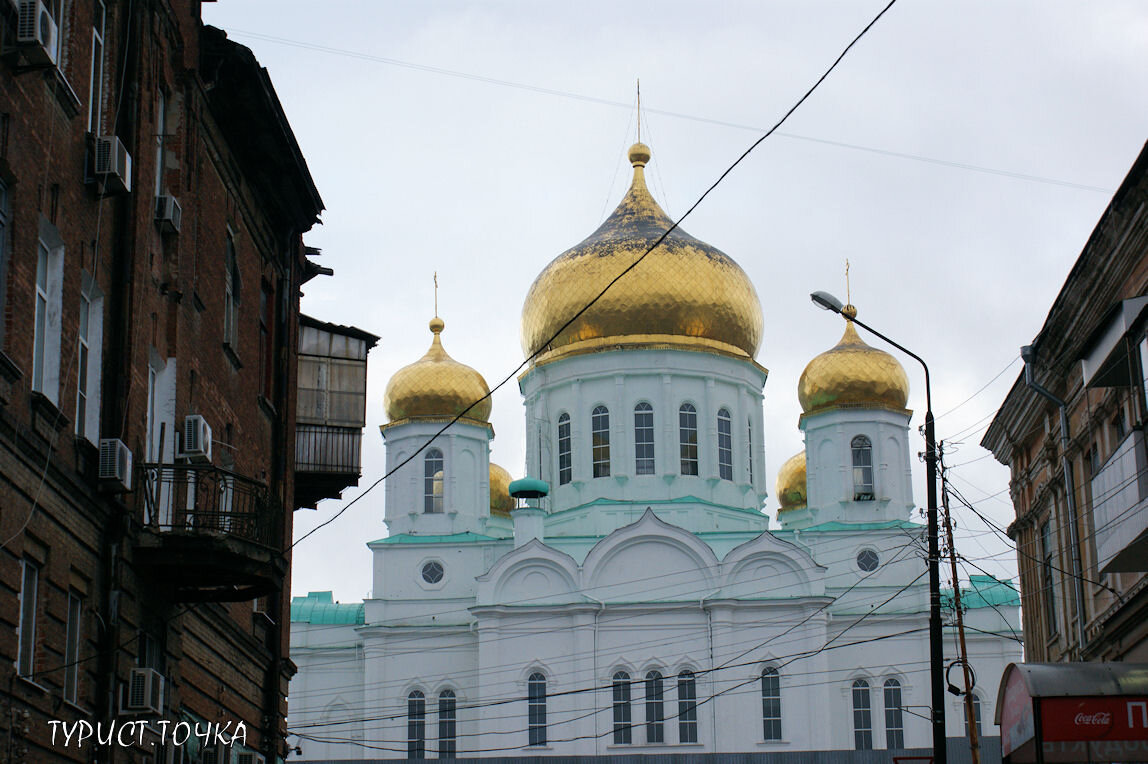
[936, 655]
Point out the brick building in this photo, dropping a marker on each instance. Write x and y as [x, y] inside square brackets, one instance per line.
[1083, 561]
[152, 204]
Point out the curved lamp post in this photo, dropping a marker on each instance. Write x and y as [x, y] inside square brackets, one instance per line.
[936, 655]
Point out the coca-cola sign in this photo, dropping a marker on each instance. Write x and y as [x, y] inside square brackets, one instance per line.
[1094, 719]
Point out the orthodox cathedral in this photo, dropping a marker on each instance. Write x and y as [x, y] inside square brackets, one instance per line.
[643, 605]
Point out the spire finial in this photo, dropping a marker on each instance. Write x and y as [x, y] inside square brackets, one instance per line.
[639, 110]
[848, 311]
[848, 299]
[436, 293]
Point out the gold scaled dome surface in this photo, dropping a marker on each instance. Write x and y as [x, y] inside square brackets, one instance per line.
[852, 374]
[791, 483]
[436, 386]
[501, 502]
[685, 293]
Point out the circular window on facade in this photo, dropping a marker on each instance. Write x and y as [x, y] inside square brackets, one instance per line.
[432, 572]
[867, 560]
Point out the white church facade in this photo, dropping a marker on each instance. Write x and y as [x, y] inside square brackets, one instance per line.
[644, 605]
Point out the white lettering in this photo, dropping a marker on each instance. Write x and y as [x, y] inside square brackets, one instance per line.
[1093, 719]
[186, 733]
[1143, 713]
[83, 733]
[240, 727]
[53, 724]
[163, 724]
[130, 727]
[100, 734]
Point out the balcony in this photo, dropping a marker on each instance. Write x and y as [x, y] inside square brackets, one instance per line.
[327, 460]
[209, 535]
[1120, 508]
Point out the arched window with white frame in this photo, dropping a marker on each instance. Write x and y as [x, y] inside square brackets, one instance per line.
[447, 724]
[771, 703]
[623, 729]
[565, 457]
[655, 708]
[687, 707]
[643, 439]
[724, 444]
[536, 708]
[688, 438]
[416, 725]
[862, 469]
[894, 716]
[862, 716]
[433, 472]
[600, 441]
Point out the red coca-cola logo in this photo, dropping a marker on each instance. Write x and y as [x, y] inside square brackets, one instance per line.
[1097, 719]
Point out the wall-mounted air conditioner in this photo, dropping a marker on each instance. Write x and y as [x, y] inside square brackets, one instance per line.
[196, 439]
[247, 757]
[144, 692]
[37, 33]
[113, 163]
[115, 470]
[168, 213]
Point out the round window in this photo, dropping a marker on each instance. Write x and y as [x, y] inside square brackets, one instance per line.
[432, 572]
[868, 560]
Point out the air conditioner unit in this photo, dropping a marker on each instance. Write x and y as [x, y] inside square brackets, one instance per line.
[144, 691]
[113, 162]
[247, 757]
[196, 439]
[168, 213]
[214, 754]
[36, 30]
[115, 469]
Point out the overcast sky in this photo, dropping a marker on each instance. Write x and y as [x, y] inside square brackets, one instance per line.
[959, 157]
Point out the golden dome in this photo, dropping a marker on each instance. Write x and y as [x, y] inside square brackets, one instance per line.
[852, 373]
[501, 502]
[791, 483]
[685, 293]
[436, 386]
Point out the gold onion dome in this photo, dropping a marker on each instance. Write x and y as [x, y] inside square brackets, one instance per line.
[685, 293]
[791, 483]
[853, 374]
[501, 502]
[436, 386]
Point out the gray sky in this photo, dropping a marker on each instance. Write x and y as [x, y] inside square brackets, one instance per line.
[473, 139]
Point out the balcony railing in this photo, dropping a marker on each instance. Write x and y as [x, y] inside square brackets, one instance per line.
[1120, 508]
[323, 448]
[210, 500]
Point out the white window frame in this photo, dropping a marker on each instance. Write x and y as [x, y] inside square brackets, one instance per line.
[725, 444]
[434, 481]
[862, 715]
[72, 648]
[623, 729]
[565, 454]
[600, 441]
[688, 439]
[48, 296]
[96, 73]
[894, 699]
[644, 450]
[232, 288]
[771, 728]
[89, 360]
[26, 630]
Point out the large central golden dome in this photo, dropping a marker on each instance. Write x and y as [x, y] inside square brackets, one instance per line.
[853, 374]
[436, 386]
[685, 293]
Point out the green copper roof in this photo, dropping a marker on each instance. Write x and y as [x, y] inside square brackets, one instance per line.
[320, 608]
[984, 591]
[835, 525]
[450, 538]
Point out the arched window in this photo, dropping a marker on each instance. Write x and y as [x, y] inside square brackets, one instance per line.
[771, 703]
[724, 445]
[862, 717]
[643, 439]
[416, 725]
[894, 716]
[565, 462]
[749, 447]
[622, 726]
[536, 708]
[862, 469]
[687, 708]
[688, 438]
[600, 440]
[976, 714]
[655, 710]
[432, 481]
[447, 717]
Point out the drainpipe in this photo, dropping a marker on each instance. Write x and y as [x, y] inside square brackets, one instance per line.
[1028, 354]
[601, 607]
[713, 679]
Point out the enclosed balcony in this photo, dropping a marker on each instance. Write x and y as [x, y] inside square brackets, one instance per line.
[1120, 508]
[209, 534]
[331, 410]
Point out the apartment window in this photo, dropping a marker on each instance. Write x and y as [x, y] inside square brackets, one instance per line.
[771, 703]
[1048, 579]
[862, 717]
[432, 482]
[48, 304]
[749, 448]
[536, 708]
[29, 593]
[96, 73]
[72, 648]
[976, 714]
[1120, 425]
[724, 445]
[655, 709]
[89, 350]
[687, 708]
[862, 469]
[266, 352]
[565, 461]
[894, 716]
[231, 293]
[447, 717]
[688, 438]
[416, 725]
[621, 691]
[600, 440]
[5, 216]
[160, 138]
[643, 439]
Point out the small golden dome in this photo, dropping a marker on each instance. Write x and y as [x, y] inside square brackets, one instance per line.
[852, 373]
[501, 502]
[791, 483]
[685, 293]
[437, 386]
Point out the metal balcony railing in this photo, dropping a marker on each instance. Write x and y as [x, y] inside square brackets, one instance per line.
[323, 448]
[190, 498]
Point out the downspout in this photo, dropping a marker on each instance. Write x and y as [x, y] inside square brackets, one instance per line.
[713, 679]
[1028, 354]
[598, 612]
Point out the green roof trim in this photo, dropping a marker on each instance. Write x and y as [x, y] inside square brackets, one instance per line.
[450, 538]
[835, 525]
[321, 608]
[984, 591]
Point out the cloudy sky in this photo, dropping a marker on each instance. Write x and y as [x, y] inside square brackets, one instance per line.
[959, 157]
